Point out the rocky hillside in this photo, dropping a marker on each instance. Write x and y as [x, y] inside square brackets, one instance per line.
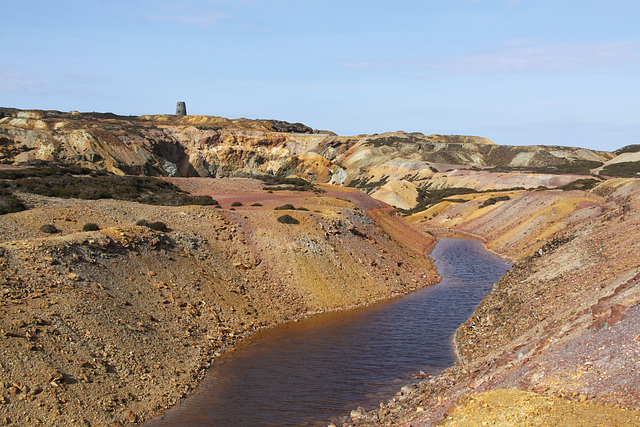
[555, 342]
[115, 325]
[216, 147]
[398, 167]
[91, 317]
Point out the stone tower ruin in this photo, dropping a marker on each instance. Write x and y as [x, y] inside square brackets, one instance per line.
[181, 109]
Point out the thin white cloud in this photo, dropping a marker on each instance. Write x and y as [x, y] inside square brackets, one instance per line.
[51, 83]
[195, 19]
[527, 56]
[198, 13]
[508, 2]
[13, 80]
[519, 42]
[518, 56]
[366, 65]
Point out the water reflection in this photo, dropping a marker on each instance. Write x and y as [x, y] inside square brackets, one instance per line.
[305, 373]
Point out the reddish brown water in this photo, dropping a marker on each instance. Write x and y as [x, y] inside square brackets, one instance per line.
[316, 370]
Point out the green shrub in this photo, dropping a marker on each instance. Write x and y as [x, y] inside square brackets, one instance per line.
[286, 207]
[622, 170]
[157, 225]
[9, 203]
[73, 182]
[278, 180]
[49, 229]
[45, 171]
[288, 219]
[201, 200]
[90, 226]
[575, 167]
[581, 184]
[278, 183]
[256, 204]
[493, 200]
[236, 204]
[365, 182]
[634, 148]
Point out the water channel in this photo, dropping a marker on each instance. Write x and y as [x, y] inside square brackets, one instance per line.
[312, 371]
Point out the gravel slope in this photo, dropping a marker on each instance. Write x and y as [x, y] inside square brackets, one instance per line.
[556, 341]
[114, 326]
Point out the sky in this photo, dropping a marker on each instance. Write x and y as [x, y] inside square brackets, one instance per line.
[519, 72]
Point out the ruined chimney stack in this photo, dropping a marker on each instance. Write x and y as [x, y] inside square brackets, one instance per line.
[181, 109]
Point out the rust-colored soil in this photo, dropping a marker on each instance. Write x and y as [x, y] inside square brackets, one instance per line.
[562, 326]
[114, 326]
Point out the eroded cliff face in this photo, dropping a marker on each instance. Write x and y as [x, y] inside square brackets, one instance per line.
[217, 147]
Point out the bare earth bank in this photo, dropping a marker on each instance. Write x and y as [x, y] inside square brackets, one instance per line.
[114, 326]
[556, 342]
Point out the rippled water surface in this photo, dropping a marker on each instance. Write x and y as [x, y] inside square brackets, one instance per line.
[309, 372]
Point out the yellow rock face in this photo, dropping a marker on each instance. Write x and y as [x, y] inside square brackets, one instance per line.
[521, 408]
[401, 194]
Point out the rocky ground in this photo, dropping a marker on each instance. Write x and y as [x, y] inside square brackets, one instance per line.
[556, 341]
[113, 326]
[204, 146]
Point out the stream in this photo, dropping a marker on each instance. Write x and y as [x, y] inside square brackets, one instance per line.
[310, 372]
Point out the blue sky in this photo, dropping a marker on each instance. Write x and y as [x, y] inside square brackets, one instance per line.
[519, 72]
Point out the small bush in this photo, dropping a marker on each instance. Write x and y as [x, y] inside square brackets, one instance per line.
[90, 226]
[288, 206]
[621, 170]
[493, 200]
[236, 204]
[256, 204]
[9, 203]
[634, 148]
[278, 180]
[157, 225]
[200, 200]
[49, 229]
[82, 183]
[288, 219]
[581, 184]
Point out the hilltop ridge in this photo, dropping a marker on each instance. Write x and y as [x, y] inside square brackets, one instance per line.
[264, 145]
[208, 146]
